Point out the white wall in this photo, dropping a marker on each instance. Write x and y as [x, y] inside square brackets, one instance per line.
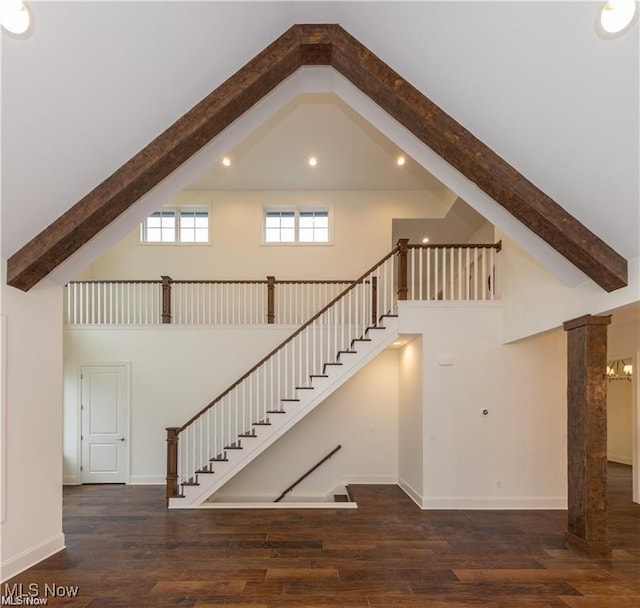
[624, 343]
[32, 529]
[361, 416]
[361, 236]
[174, 373]
[514, 457]
[620, 421]
[534, 300]
[411, 420]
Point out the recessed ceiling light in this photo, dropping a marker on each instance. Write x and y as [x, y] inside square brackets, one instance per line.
[425, 239]
[14, 16]
[401, 160]
[616, 15]
[313, 161]
[226, 161]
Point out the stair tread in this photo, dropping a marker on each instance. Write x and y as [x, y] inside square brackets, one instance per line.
[304, 388]
[318, 376]
[247, 435]
[218, 459]
[204, 472]
[340, 498]
[290, 400]
[276, 412]
[262, 423]
[233, 447]
[190, 483]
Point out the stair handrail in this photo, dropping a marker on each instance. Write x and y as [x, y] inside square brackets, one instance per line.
[287, 340]
[497, 246]
[305, 475]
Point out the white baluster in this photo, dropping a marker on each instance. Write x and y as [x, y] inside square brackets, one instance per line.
[451, 273]
[475, 273]
[484, 273]
[493, 273]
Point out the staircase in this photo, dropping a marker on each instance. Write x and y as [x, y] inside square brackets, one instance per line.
[327, 350]
[282, 388]
[261, 433]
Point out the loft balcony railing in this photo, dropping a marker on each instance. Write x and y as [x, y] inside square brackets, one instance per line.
[429, 272]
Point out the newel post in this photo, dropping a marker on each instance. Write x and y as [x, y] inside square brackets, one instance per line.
[402, 268]
[166, 299]
[172, 462]
[374, 301]
[271, 299]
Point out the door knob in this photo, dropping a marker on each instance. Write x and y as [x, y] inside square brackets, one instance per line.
[120, 439]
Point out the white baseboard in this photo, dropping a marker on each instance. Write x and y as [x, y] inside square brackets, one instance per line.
[500, 503]
[147, 480]
[267, 505]
[71, 480]
[620, 459]
[19, 563]
[384, 480]
[410, 491]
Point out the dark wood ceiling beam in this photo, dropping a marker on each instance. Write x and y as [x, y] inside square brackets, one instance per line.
[156, 161]
[317, 45]
[477, 162]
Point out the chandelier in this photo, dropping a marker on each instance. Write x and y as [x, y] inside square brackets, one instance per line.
[619, 370]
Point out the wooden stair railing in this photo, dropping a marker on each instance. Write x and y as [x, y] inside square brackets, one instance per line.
[232, 417]
[346, 318]
[305, 475]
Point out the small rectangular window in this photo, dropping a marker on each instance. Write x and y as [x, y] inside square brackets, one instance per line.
[314, 227]
[161, 227]
[194, 226]
[181, 225]
[280, 227]
[296, 226]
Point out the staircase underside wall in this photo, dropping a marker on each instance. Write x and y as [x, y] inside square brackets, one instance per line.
[361, 416]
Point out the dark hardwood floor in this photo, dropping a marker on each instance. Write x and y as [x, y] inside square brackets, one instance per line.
[125, 549]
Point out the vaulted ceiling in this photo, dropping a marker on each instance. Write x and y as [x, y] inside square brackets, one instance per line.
[351, 154]
[317, 45]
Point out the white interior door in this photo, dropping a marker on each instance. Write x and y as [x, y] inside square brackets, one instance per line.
[105, 423]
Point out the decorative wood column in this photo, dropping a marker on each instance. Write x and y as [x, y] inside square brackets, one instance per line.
[172, 462]
[587, 435]
[166, 299]
[402, 269]
[271, 299]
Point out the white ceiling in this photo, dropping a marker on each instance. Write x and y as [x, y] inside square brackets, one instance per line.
[458, 226]
[351, 154]
[97, 81]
